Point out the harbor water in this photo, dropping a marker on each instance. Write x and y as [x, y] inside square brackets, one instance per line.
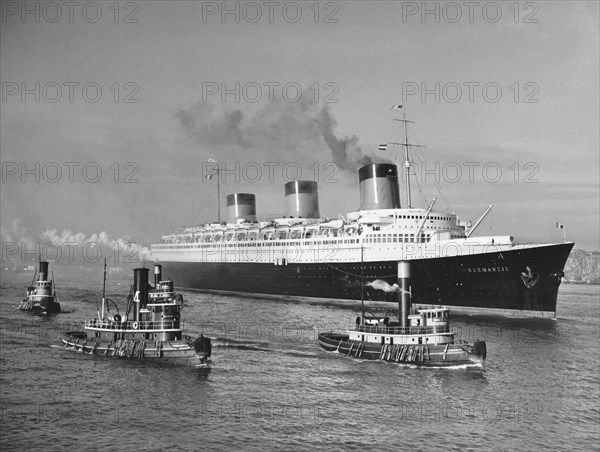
[270, 386]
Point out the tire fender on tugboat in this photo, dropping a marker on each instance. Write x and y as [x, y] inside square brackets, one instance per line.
[480, 349]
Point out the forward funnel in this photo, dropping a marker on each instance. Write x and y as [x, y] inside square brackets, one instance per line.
[241, 206]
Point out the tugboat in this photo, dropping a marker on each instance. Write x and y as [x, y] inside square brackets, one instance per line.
[41, 296]
[422, 337]
[150, 328]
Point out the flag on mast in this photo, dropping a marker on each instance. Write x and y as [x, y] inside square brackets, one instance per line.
[560, 226]
[397, 107]
[210, 176]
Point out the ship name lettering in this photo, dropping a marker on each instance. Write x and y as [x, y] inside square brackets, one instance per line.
[487, 269]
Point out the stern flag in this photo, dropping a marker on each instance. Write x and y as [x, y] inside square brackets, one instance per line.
[397, 107]
[560, 226]
[383, 147]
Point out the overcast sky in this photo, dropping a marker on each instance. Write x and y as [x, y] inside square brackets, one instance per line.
[504, 97]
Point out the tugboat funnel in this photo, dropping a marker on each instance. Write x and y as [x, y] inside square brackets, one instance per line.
[404, 283]
[140, 290]
[157, 275]
[43, 271]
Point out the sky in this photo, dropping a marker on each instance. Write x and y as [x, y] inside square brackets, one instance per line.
[110, 112]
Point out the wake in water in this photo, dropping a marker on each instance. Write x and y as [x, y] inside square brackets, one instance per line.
[241, 345]
[37, 312]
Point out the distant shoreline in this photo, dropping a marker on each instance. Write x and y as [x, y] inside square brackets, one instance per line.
[581, 283]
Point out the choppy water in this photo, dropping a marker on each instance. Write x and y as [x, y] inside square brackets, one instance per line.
[271, 387]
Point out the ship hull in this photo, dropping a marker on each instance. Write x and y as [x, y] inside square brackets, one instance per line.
[443, 355]
[520, 282]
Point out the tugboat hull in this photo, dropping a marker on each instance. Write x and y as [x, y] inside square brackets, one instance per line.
[426, 355]
[179, 351]
[46, 305]
[49, 306]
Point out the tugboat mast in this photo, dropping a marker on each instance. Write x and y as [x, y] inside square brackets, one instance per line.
[103, 290]
[362, 283]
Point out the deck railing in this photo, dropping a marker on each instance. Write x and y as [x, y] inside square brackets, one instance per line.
[136, 325]
[430, 329]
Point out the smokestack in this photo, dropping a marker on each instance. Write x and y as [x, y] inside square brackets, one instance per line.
[378, 184]
[302, 199]
[404, 283]
[241, 206]
[157, 275]
[43, 271]
[140, 290]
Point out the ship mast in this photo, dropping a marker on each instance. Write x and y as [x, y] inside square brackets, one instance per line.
[219, 196]
[407, 163]
[218, 172]
[406, 156]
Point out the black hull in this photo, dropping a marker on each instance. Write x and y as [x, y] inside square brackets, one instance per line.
[450, 355]
[45, 306]
[524, 281]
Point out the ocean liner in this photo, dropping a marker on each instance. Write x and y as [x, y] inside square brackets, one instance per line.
[357, 255]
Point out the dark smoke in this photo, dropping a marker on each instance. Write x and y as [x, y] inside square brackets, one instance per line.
[284, 130]
[223, 130]
[345, 152]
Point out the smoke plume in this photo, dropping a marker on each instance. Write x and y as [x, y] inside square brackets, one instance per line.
[380, 284]
[345, 152]
[281, 130]
[68, 247]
